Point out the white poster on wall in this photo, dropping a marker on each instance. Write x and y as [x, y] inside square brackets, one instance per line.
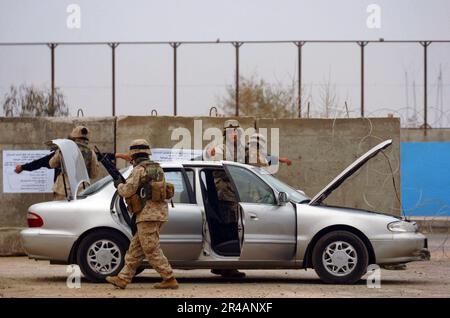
[38, 181]
[169, 154]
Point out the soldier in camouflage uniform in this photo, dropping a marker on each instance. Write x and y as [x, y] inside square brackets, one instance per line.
[256, 151]
[231, 149]
[145, 243]
[80, 135]
[227, 198]
[234, 149]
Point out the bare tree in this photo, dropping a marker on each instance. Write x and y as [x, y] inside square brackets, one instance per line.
[328, 97]
[29, 101]
[261, 99]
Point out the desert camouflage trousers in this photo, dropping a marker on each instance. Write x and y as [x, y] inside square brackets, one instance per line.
[145, 244]
[59, 197]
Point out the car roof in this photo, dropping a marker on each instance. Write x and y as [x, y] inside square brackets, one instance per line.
[209, 163]
[195, 163]
[182, 163]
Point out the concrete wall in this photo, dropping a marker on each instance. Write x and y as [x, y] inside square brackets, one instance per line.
[422, 135]
[158, 130]
[29, 134]
[319, 148]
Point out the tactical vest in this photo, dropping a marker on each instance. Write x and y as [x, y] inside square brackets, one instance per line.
[257, 159]
[86, 152]
[154, 175]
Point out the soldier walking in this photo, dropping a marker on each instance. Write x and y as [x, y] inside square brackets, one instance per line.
[145, 243]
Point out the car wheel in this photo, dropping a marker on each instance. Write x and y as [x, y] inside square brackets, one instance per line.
[101, 254]
[340, 257]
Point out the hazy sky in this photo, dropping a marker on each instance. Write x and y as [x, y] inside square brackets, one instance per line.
[144, 72]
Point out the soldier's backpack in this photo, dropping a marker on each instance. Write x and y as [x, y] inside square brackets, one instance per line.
[155, 187]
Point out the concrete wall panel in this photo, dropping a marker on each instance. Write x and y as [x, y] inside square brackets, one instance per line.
[31, 134]
[321, 148]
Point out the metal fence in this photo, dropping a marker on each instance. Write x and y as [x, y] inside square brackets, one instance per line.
[297, 45]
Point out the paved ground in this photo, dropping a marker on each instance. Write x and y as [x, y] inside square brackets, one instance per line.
[21, 277]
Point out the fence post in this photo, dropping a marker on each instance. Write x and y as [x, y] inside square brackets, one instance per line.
[175, 45]
[299, 56]
[237, 45]
[113, 84]
[425, 45]
[52, 47]
[362, 44]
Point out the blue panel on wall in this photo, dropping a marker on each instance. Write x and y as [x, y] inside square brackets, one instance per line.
[425, 178]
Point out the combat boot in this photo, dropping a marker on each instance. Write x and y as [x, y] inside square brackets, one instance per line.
[170, 283]
[117, 281]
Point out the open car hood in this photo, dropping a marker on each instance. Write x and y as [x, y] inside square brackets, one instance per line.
[351, 169]
[72, 164]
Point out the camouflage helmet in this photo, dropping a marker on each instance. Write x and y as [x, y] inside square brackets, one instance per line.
[139, 146]
[231, 123]
[80, 132]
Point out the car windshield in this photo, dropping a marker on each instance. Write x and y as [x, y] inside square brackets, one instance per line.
[280, 186]
[98, 185]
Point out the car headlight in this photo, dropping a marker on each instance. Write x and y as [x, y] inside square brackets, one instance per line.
[402, 226]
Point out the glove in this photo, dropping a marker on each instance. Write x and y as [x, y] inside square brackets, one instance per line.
[18, 169]
[123, 156]
[116, 183]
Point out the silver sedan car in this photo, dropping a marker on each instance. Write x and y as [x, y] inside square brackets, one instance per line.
[278, 227]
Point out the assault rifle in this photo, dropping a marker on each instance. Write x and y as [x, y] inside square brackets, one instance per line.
[109, 166]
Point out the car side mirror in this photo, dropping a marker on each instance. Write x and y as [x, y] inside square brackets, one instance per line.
[283, 198]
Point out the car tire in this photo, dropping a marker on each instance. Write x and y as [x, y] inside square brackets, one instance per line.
[346, 266]
[100, 254]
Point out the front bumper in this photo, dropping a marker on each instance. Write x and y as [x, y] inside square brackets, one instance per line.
[402, 248]
[49, 245]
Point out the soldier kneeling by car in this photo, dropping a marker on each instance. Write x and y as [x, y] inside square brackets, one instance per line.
[145, 192]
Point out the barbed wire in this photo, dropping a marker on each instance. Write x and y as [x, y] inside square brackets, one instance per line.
[428, 222]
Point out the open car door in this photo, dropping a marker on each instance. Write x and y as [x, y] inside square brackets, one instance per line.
[72, 164]
[181, 236]
[267, 229]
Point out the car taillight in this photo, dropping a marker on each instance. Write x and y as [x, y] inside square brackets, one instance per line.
[34, 220]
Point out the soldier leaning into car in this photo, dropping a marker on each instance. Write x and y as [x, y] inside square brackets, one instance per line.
[231, 149]
[228, 150]
[226, 197]
[145, 242]
[80, 135]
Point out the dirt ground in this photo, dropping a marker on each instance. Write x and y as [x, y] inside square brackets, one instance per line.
[22, 277]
